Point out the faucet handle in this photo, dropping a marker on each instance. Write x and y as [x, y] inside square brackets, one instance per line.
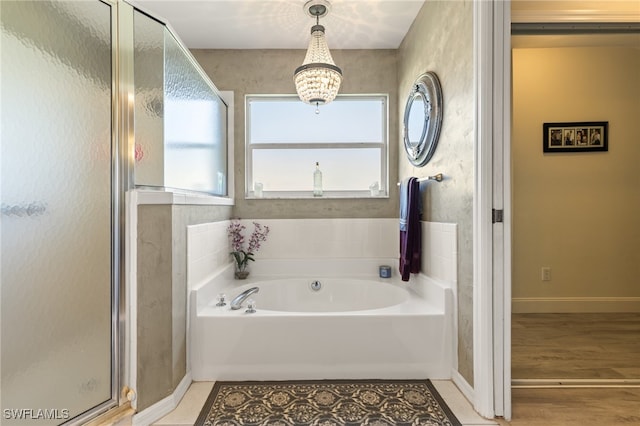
[221, 300]
[251, 306]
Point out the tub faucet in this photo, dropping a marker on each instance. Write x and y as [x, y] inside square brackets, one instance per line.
[239, 299]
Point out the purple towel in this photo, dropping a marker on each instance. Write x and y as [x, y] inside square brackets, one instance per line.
[411, 229]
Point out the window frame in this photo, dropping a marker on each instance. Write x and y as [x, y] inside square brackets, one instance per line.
[383, 191]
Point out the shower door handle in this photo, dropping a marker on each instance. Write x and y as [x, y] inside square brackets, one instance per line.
[22, 210]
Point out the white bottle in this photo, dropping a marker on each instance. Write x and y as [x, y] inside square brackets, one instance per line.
[317, 181]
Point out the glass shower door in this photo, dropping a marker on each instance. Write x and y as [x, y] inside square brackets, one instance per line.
[56, 194]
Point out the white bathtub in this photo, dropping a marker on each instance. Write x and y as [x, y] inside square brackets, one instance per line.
[352, 328]
[334, 295]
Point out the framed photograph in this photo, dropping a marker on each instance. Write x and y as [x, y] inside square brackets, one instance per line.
[575, 137]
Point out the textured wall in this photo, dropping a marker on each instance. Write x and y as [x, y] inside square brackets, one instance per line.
[162, 295]
[271, 72]
[441, 40]
[154, 376]
[576, 212]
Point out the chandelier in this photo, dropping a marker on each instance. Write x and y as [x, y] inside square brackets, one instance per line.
[318, 78]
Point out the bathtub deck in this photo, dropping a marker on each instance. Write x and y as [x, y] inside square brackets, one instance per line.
[410, 307]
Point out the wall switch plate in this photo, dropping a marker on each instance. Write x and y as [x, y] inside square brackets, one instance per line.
[546, 273]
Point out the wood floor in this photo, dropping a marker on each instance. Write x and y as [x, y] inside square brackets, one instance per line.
[575, 407]
[589, 346]
[576, 346]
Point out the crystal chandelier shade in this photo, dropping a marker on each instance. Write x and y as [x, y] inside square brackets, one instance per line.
[318, 79]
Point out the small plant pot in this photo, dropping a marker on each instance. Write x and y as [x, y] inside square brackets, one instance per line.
[242, 275]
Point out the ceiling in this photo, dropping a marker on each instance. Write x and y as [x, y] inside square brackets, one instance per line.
[284, 24]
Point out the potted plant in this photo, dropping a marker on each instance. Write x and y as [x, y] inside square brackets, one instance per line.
[242, 255]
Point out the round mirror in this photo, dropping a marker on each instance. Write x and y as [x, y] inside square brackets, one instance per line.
[422, 119]
[417, 128]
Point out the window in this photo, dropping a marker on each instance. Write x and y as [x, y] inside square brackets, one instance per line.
[286, 137]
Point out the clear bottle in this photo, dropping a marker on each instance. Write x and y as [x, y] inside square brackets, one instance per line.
[317, 181]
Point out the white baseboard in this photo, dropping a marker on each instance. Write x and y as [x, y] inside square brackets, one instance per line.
[463, 385]
[574, 304]
[164, 406]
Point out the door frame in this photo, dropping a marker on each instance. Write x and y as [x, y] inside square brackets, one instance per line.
[492, 241]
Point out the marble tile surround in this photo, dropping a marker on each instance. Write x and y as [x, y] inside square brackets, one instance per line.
[324, 239]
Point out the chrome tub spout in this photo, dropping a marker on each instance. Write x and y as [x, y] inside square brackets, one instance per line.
[237, 302]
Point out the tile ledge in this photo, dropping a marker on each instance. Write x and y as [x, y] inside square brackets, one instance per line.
[165, 196]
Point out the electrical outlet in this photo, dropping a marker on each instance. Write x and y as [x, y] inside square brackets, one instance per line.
[546, 273]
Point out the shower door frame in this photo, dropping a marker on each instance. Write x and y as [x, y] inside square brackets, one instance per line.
[120, 180]
[119, 169]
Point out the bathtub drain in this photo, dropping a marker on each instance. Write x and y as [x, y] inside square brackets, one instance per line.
[315, 285]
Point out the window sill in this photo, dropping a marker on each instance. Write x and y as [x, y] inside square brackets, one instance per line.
[332, 195]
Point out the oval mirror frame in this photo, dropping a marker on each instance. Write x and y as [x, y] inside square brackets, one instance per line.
[423, 118]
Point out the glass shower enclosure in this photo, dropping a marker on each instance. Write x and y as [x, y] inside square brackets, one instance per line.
[59, 217]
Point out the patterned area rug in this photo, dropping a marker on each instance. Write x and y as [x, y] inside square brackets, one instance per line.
[326, 403]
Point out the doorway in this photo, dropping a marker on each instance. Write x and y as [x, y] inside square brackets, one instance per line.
[576, 240]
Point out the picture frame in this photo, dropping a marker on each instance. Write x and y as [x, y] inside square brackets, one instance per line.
[581, 136]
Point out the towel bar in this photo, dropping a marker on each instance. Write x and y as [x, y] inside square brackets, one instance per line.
[437, 178]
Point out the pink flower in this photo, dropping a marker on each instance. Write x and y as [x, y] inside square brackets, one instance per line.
[259, 235]
[234, 231]
[241, 255]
